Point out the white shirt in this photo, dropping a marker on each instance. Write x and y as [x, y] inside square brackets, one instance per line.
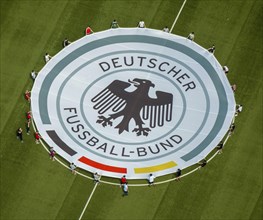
[125, 188]
[240, 108]
[33, 74]
[96, 176]
[72, 166]
[47, 58]
[166, 29]
[225, 68]
[151, 178]
[191, 36]
[141, 24]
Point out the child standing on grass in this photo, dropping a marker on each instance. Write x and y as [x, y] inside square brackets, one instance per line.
[47, 57]
[28, 126]
[234, 87]
[114, 24]
[27, 95]
[88, 30]
[66, 42]
[125, 189]
[141, 24]
[239, 109]
[220, 147]
[19, 134]
[225, 69]
[73, 167]
[212, 49]
[33, 75]
[96, 178]
[202, 163]
[178, 175]
[123, 180]
[52, 154]
[151, 179]
[231, 129]
[166, 29]
[191, 36]
[37, 137]
[28, 115]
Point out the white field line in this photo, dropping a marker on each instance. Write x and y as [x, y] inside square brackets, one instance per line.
[175, 20]
[87, 203]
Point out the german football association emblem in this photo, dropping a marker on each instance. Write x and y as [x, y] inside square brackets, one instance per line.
[135, 105]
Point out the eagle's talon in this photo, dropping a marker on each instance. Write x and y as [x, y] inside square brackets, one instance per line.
[104, 121]
[145, 133]
[139, 131]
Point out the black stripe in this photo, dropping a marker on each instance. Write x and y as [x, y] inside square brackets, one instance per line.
[61, 144]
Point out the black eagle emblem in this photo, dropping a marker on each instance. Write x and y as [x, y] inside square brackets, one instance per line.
[136, 105]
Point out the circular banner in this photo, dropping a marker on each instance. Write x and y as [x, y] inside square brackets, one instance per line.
[133, 101]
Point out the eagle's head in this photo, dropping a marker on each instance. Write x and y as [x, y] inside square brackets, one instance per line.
[141, 83]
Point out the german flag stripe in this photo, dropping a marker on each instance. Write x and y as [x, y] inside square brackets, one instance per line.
[102, 166]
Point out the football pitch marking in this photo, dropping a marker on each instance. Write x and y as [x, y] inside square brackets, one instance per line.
[87, 203]
[175, 20]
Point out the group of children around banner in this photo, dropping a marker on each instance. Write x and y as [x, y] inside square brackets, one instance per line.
[96, 176]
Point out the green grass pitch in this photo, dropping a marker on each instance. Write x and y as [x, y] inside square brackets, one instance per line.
[35, 188]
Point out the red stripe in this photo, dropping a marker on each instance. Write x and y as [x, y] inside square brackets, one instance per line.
[102, 166]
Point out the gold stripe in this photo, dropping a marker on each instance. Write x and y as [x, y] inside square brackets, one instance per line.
[159, 167]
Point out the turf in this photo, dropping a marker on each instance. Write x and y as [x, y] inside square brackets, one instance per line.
[34, 187]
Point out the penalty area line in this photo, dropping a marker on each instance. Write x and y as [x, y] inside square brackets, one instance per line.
[175, 20]
[87, 203]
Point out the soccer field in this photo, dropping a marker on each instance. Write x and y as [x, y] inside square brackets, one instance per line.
[35, 187]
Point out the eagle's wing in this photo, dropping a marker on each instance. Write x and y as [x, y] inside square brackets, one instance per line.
[158, 110]
[112, 97]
